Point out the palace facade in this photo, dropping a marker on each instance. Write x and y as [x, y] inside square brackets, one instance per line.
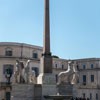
[88, 85]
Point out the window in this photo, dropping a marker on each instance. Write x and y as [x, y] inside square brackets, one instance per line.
[8, 67]
[90, 96]
[78, 81]
[36, 71]
[83, 95]
[92, 78]
[8, 95]
[56, 65]
[84, 79]
[77, 67]
[92, 66]
[96, 96]
[62, 66]
[8, 52]
[84, 66]
[35, 55]
[56, 78]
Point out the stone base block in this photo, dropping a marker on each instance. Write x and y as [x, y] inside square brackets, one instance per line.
[22, 92]
[26, 92]
[47, 78]
[65, 89]
[48, 90]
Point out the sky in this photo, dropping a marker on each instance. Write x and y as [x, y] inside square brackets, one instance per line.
[74, 25]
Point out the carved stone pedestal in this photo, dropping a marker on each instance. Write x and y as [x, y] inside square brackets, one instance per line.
[48, 83]
[46, 78]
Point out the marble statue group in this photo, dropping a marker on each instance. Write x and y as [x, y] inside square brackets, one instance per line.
[23, 73]
[70, 76]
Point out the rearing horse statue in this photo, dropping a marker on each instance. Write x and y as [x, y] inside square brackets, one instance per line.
[69, 76]
[22, 72]
[19, 72]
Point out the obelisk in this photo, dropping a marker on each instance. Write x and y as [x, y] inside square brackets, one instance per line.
[46, 74]
[46, 56]
[46, 78]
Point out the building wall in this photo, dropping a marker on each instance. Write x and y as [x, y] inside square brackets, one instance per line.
[19, 52]
[86, 67]
[89, 93]
[92, 67]
[24, 52]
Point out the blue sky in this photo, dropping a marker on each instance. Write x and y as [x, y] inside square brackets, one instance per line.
[75, 25]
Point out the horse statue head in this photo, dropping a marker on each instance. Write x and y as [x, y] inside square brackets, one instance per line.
[70, 65]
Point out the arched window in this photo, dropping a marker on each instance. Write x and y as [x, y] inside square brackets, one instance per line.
[8, 52]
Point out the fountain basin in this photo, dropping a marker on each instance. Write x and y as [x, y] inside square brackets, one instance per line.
[58, 97]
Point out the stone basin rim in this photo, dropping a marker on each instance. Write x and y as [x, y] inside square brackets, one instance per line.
[57, 96]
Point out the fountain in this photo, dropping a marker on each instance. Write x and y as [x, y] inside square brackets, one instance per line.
[27, 88]
[50, 90]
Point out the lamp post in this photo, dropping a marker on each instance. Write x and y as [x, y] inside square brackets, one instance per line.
[8, 75]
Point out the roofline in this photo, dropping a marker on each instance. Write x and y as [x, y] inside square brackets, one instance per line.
[19, 44]
[86, 59]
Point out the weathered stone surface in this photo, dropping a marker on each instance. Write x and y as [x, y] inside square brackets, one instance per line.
[46, 60]
[22, 92]
[37, 92]
[46, 64]
[58, 97]
[66, 89]
[26, 92]
[46, 78]
[48, 90]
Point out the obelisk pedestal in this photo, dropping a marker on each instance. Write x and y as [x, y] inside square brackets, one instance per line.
[47, 80]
